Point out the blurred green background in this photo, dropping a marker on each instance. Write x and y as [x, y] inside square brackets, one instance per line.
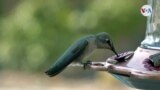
[34, 33]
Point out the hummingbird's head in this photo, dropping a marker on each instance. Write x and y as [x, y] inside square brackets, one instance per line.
[103, 41]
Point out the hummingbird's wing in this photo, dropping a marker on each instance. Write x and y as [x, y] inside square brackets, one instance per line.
[73, 52]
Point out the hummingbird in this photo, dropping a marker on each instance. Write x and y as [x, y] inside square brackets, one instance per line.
[79, 50]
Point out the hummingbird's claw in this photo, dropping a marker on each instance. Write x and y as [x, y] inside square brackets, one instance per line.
[86, 64]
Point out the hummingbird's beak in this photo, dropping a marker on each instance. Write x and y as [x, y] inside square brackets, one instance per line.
[112, 47]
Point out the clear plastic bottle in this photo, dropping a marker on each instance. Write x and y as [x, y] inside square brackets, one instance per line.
[152, 39]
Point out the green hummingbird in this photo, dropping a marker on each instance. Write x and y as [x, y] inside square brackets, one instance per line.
[79, 50]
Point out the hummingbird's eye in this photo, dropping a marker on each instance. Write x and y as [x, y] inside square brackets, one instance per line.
[103, 38]
[107, 40]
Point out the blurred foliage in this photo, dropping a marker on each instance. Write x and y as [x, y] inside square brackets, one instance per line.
[33, 33]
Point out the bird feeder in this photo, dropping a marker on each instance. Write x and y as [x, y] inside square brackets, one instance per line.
[138, 70]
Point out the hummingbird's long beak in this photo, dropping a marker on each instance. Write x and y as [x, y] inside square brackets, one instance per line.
[112, 47]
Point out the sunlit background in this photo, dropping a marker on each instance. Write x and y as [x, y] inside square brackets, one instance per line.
[34, 33]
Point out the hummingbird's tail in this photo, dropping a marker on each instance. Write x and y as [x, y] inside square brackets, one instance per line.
[55, 69]
[71, 54]
[58, 66]
[51, 72]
